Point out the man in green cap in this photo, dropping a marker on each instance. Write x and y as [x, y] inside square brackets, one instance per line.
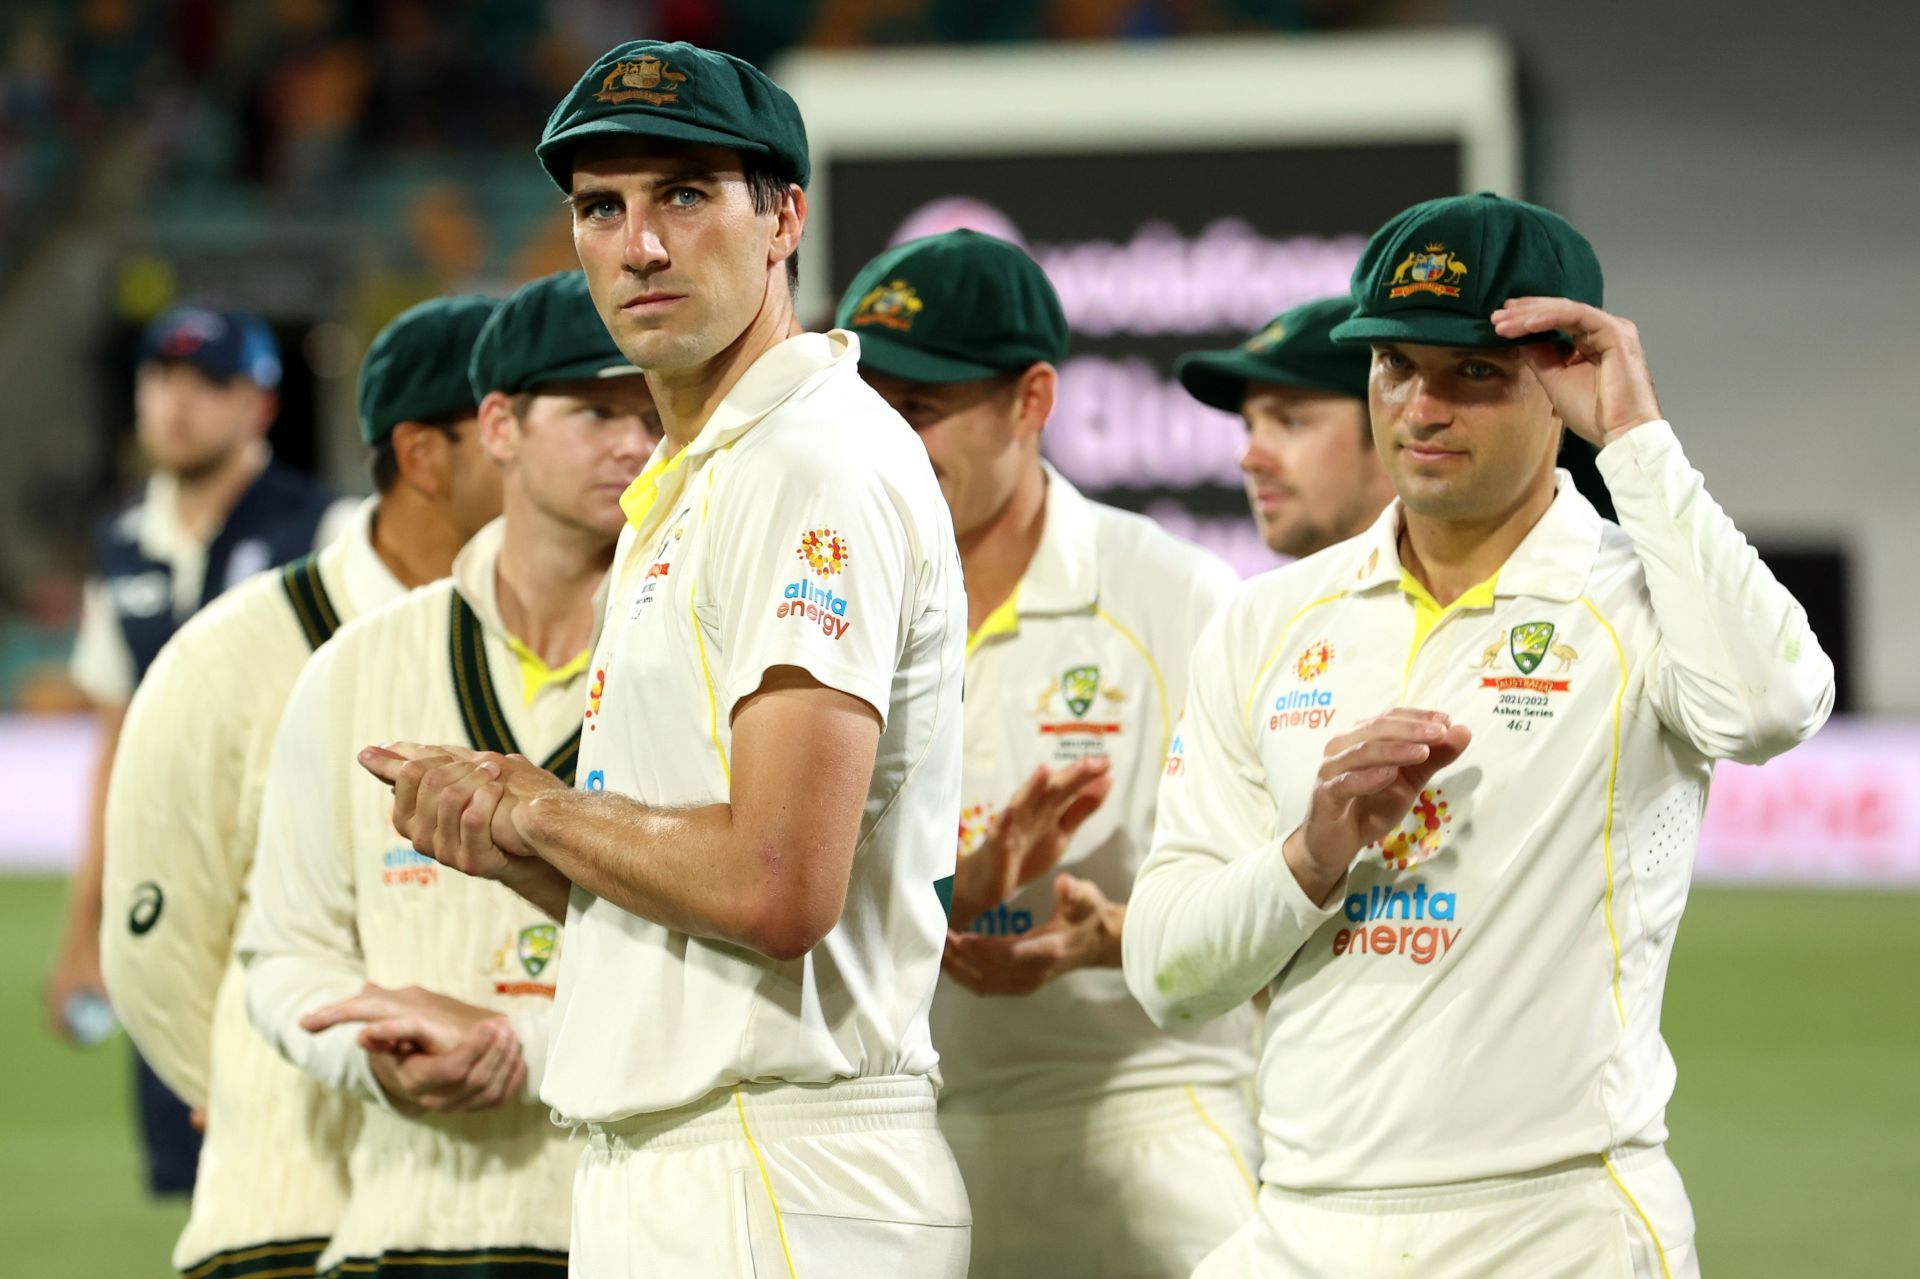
[425, 995]
[1062, 1103]
[183, 802]
[1313, 477]
[752, 877]
[1442, 786]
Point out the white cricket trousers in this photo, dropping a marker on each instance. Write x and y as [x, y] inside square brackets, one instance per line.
[1139, 1185]
[1624, 1216]
[775, 1181]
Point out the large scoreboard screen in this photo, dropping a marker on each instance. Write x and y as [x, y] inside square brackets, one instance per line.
[1161, 236]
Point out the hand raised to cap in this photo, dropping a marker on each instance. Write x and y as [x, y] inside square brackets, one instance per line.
[1602, 388]
[1367, 785]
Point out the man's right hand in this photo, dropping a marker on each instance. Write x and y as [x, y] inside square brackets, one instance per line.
[1367, 785]
[430, 1052]
[1028, 836]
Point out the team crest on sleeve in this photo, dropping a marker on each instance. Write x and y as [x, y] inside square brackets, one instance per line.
[1433, 269]
[892, 306]
[641, 80]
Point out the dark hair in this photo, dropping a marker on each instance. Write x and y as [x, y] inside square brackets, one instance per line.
[384, 464]
[765, 187]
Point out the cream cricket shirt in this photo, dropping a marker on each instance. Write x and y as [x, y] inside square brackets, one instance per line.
[184, 799]
[1087, 658]
[340, 898]
[803, 528]
[182, 809]
[1482, 997]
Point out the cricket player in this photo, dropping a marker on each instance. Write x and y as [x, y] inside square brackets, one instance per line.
[422, 993]
[752, 875]
[1440, 788]
[183, 804]
[1064, 1102]
[1313, 477]
[216, 510]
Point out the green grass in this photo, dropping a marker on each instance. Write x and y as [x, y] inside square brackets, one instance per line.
[1795, 1123]
[72, 1199]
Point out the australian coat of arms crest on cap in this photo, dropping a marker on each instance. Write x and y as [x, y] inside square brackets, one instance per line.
[640, 80]
[1431, 270]
[1266, 339]
[892, 305]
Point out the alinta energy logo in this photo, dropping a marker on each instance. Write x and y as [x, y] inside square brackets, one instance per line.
[594, 694]
[826, 554]
[975, 821]
[824, 551]
[1313, 663]
[1411, 921]
[405, 867]
[1420, 833]
[1309, 708]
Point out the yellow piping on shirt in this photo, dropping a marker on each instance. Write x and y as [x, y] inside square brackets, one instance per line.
[1253, 1187]
[1606, 830]
[1253, 689]
[1638, 1211]
[706, 677]
[1159, 680]
[779, 1218]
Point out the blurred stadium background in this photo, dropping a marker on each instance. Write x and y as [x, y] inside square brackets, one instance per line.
[1184, 169]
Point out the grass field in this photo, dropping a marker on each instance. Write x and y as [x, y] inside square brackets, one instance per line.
[1796, 1122]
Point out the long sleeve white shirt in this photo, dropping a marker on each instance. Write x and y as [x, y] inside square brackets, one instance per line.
[1482, 996]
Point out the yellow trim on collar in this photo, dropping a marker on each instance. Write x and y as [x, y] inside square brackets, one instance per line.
[645, 489]
[535, 674]
[1428, 612]
[1004, 620]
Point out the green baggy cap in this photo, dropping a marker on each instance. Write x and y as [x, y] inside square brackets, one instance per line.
[1435, 274]
[416, 368]
[1295, 349]
[680, 92]
[953, 308]
[548, 331]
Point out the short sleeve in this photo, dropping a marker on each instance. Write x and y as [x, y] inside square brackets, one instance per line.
[818, 571]
[102, 663]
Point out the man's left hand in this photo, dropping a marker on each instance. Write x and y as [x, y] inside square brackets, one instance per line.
[1602, 388]
[464, 809]
[1084, 932]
